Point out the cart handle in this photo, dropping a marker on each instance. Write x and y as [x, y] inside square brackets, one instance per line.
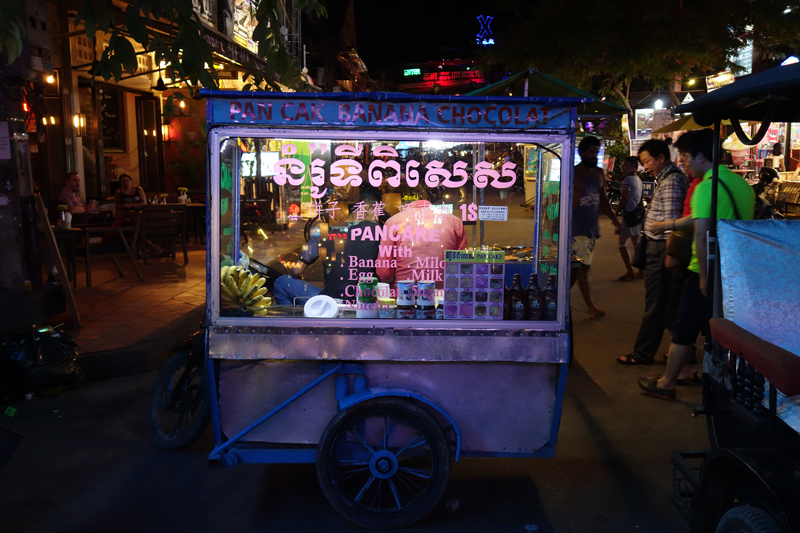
[781, 367]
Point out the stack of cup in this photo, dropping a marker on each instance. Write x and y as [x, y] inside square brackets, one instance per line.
[367, 298]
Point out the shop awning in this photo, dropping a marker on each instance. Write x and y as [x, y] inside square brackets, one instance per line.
[540, 84]
[686, 123]
[770, 95]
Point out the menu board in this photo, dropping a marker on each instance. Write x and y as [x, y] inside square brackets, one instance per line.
[473, 284]
[111, 119]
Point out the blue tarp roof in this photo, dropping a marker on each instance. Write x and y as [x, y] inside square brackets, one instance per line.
[554, 101]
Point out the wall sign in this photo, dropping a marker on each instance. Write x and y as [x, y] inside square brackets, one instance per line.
[112, 122]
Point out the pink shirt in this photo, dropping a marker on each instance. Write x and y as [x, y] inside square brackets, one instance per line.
[420, 239]
[71, 199]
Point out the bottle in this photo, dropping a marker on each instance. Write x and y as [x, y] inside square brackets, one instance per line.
[439, 309]
[506, 303]
[550, 299]
[517, 299]
[533, 299]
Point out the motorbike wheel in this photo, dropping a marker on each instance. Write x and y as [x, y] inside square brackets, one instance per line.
[383, 464]
[748, 520]
[177, 427]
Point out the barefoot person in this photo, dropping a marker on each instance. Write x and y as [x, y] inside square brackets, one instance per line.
[589, 197]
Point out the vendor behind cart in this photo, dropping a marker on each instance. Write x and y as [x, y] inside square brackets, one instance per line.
[347, 258]
[416, 240]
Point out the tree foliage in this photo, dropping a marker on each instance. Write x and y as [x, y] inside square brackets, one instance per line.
[615, 42]
[174, 33]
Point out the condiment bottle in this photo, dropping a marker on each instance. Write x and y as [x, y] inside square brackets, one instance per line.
[550, 299]
[516, 295]
[533, 299]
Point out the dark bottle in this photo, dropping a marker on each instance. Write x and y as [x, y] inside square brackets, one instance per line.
[533, 299]
[517, 296]
[506, 303]
[550, 299]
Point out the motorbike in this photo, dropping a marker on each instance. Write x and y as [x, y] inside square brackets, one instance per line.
[613, 193]
[179, 408]
[764, 208]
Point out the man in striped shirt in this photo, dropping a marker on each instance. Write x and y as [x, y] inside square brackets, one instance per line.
[667, 204]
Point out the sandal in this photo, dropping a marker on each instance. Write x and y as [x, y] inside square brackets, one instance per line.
[625, 277]
[650, 386]
[695, 377]
[629, 360]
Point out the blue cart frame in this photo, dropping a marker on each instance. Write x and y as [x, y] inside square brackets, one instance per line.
[300, 390]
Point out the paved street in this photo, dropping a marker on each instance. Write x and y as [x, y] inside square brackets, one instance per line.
[86, 463]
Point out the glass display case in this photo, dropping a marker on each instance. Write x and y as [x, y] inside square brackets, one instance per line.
[398, 211]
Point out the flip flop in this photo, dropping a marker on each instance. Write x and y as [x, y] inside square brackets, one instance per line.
[629, 360]
[650, 386]
[600, 314]
[695, 377]
[626, 278]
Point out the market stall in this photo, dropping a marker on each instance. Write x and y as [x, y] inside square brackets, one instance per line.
[442, 318]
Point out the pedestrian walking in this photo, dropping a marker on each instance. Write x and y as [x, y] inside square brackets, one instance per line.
[588, 199]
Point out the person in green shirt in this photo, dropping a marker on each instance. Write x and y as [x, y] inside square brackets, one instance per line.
[735, 200]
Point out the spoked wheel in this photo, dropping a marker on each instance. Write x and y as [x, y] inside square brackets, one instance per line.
[383, 464]
[179, 410]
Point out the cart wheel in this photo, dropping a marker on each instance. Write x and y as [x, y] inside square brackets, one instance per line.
[748, 520]
[178, 415]
[384, 463]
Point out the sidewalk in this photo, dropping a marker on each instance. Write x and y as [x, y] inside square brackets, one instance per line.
[128, 326]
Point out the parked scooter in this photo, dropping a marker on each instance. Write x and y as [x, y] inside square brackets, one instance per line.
[764, 209]
[178, 410]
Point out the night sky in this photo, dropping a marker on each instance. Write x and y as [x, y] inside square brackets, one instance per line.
[391, 34]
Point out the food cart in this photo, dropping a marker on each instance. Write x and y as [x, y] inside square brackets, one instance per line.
[382, 387]
[748, 481]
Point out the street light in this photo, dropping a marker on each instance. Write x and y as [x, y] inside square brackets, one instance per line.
[659, 104]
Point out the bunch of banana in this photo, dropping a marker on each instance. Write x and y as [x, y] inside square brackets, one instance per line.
[239, 288]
